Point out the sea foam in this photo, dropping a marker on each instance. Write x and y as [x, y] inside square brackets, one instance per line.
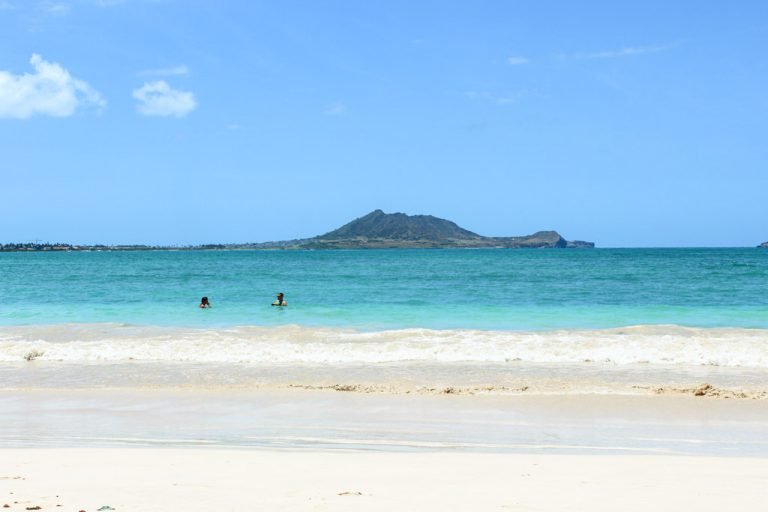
[651, 344]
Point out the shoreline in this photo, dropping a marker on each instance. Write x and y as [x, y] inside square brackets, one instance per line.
[344, 448]
[701, 391]
[333, 421]
[400, 378]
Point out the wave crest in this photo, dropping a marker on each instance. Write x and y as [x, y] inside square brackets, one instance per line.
[652, 344]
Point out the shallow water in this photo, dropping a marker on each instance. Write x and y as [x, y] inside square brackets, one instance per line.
[392, 289]
[344, 421]
[605, 320]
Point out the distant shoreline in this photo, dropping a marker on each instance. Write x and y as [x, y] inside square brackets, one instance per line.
[33, 247]
[268, 246]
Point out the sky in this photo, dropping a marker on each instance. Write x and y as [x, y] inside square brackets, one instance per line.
[188, 121]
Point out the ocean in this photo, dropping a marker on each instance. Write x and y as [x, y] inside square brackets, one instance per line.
[386, 349]
[529, 290]
[403, 314]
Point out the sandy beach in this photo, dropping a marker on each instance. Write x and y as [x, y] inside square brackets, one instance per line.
[237, 480]
[157, 450]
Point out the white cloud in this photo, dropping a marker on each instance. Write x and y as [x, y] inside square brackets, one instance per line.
[159, 99]
[51, 90]
[516, 61]
[171, 71]
[336, 109]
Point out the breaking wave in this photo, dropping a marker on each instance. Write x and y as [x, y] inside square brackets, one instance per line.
[652, 344]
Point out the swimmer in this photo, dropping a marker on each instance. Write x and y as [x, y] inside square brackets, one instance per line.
[280, 301]
[204, 303]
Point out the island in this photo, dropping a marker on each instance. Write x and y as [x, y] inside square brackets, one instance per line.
[764, 245]
[377, 230]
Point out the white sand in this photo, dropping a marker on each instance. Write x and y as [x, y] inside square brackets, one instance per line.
[159, 479]
[160, 476]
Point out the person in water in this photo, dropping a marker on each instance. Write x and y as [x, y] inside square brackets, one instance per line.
[280, 300]
[204, 303]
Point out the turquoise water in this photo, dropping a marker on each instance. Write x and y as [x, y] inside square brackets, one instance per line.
[392, 289]
[111, 348]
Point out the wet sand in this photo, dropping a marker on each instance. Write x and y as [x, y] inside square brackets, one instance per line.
[330, 419]
[327, 450]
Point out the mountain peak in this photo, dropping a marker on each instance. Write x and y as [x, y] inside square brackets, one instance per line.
[400, 226]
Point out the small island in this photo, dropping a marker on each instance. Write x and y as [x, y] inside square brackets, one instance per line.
[764, 245]
[377, 230]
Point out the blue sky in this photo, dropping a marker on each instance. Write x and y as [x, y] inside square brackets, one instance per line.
[176, 122]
